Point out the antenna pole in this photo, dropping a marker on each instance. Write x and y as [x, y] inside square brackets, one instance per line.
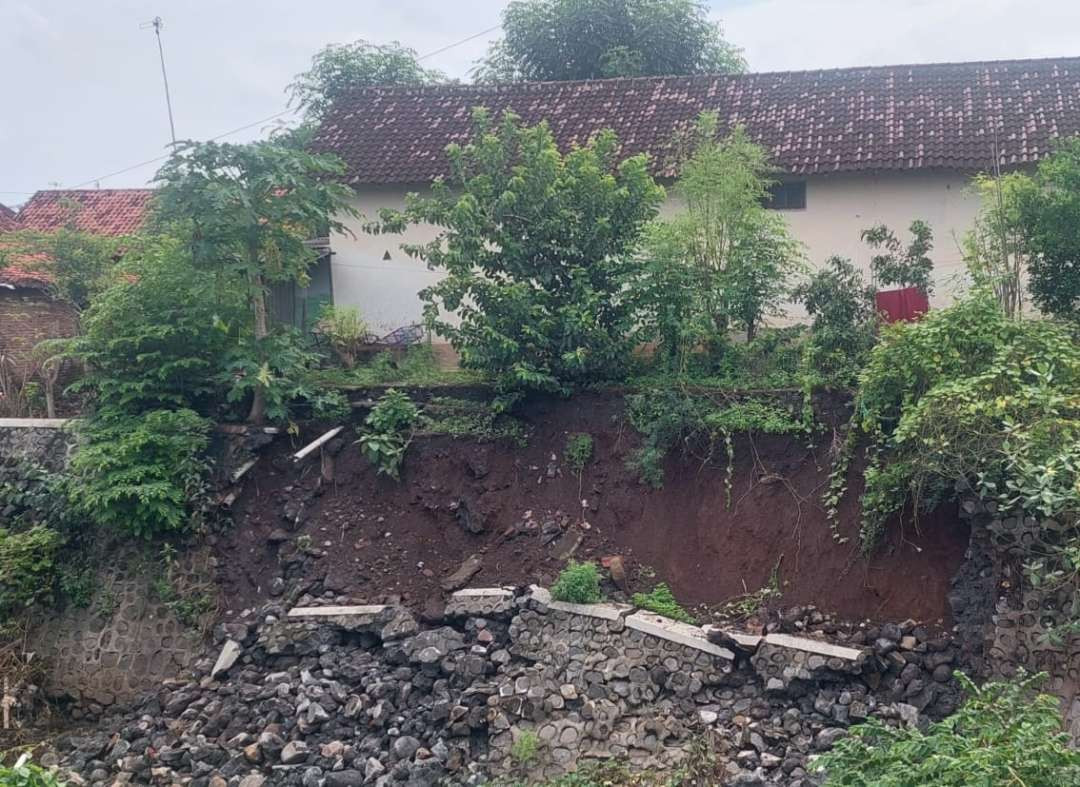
[157, 24]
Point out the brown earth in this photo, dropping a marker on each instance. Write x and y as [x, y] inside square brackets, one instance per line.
[376, 537]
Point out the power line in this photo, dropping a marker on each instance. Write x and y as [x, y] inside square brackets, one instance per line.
[249, 125]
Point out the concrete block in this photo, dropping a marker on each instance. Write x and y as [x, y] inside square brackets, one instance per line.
[808, 645]
[680, 633]
[361, 610]
[599, 611]
[471, 593]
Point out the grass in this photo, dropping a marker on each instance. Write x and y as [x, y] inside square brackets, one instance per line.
[578, 583]
[661, 601]
[418, 367]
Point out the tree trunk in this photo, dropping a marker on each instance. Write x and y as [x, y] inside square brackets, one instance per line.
[262, 329]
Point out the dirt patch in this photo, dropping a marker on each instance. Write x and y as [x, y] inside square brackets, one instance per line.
[522, 511]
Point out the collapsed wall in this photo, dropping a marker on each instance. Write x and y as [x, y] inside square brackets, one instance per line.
[327, 694]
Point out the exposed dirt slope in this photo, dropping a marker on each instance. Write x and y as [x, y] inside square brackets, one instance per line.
[381, 536]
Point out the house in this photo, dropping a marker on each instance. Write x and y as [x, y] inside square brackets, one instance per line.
[853, 147]
[28, 312]
[7, 219]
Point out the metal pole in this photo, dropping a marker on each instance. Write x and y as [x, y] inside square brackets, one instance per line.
[157, 23]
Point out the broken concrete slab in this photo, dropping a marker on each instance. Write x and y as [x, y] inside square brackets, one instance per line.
[680, 633]
[601, 611]
[808, 645]
[359, 610]
[230, 652]
[469, 568]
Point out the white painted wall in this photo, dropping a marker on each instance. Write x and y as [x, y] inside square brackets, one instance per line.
[837, 209]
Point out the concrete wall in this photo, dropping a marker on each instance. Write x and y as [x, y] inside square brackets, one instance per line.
[837, 209]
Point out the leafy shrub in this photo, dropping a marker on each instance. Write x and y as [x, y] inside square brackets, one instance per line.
[1049, 212]
[140, 474]
[578, 583]
[27, 565]
[578, 451]
[157, 338]
[996, 251]
[524, 749]
[345, 330]
[842, 308]
[668, 418]
[463, 418]
[898, 266]
[535, 246]
[26, 774]
[1003, 734]
[661, 601]
[388, 431]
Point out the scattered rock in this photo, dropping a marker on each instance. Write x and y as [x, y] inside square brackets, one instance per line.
[469, 568]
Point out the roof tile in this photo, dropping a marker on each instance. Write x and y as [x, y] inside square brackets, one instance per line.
[97, 211]
[937, 116]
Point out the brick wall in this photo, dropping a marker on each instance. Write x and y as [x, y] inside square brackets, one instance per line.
[28, 317]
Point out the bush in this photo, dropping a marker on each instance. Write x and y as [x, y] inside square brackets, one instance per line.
[27, 566]
[900, 267]
[578, 451]
[578, 583]
[140, 474]
[1049, 214]
[535, 246]
[26, 774]
[1003, 734]
[843, 312]
[661, 601]
[345, 330]
[387, 432]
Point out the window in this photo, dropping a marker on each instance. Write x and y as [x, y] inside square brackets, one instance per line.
[787, 196]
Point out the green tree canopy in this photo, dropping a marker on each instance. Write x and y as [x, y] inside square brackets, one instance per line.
[536, 247]
[245, 212]
[1050, 214]
[593, 39]
[338, 68]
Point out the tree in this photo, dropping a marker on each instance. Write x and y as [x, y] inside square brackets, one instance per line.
[996, 249]
[1050, 214]
[337, 69]
[246, 211]
[735, 257]
[535, 247]
[593, 39]
[897, 266]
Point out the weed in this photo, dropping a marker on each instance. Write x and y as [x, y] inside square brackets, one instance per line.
[463, 418]
[661, 601]
[750, 603]
[387, 432]
[578, 451]
[578, 583]
[524, 750]
[303, 542]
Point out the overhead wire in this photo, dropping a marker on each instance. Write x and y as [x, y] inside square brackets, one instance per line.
[246, 126]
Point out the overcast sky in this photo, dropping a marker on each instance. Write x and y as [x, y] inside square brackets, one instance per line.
[82, 95]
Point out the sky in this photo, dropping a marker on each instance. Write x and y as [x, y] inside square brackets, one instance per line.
[83, 98]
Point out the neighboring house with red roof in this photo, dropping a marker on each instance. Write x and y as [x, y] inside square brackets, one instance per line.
[8, 222]
[854, 147]
[28, 312]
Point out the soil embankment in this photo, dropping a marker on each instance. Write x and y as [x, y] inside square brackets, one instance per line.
[522, 510]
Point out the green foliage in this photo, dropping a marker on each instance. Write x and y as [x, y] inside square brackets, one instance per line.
[463, 418]
[661, 601]
[1004, 734]
[586, 39]
[995, 250]
[535, 247]
[140, 474]
[698, 423]
[578, 451]
[388, 431]
[27, 564]
[79, 264]
[897, 266]
[1049, 212]
[26, 774]
[525, 747]
[578, 583]
[246, 213]
[751, 603]
[337, 69]
[969, 396]
[346, 331]
[726, 262]
[157, 338]
[842, 308]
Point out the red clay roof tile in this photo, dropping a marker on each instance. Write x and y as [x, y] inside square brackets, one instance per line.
[8, 222]
[98, 211]
[937, 116]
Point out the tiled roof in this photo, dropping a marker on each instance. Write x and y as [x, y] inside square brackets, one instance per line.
[17, 277]
[7, 219]
[98, 211]
[939, 116]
